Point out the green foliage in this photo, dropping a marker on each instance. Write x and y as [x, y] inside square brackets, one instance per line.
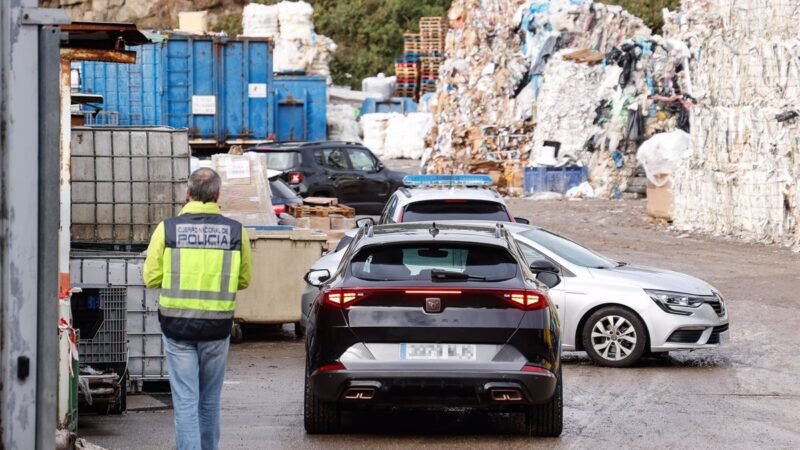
[230, 23]
[647, 10]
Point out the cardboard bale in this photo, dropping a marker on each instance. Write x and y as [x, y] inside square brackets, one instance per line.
[342, 223]
[319, 223]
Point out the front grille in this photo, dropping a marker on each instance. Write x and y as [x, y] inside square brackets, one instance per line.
[717, 305]
[685, 336]
[714, 339]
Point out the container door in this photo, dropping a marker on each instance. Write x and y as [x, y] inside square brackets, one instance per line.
[291, 121]
[245, 92]
[191, 86]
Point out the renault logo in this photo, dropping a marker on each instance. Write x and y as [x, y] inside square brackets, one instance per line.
[433, 305]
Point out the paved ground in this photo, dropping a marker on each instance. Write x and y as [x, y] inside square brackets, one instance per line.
[744, 395]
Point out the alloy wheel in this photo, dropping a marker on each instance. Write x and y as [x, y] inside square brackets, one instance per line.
[613, 338]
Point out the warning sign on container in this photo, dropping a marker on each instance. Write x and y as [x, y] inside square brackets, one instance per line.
[257, 90]
[204, 104]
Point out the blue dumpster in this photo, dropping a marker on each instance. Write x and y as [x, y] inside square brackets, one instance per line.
[553, 179]
[301, 108]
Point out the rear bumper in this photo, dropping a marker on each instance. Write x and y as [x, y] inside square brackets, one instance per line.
[427, 388]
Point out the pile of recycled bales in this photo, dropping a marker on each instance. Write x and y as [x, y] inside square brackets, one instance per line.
[297, 47]
[742, 174]
[523, 79]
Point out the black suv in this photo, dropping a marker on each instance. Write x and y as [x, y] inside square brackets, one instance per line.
[345, 170]
[430, 315]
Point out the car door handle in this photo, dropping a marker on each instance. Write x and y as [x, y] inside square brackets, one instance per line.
[360, 177]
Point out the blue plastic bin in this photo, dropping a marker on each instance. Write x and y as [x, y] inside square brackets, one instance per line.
[552, 179]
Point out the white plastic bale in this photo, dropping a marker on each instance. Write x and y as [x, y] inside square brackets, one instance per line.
[343, 123]
[295, 20]
[260, 20]
[405, 135]
[373, 127]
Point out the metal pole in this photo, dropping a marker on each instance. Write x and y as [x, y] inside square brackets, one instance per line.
[19, 215]
[47, 323]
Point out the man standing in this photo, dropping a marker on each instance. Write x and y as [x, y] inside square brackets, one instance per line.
[199, 260]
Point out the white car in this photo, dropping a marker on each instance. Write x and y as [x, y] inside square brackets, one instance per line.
[614, 311]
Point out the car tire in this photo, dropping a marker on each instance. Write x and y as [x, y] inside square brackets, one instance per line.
[320, 417]
[299, 330]
[614, 337]
[547, 420]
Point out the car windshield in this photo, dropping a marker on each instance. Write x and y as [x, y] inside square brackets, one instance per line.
[421, 261]
[438, 210]
[282, 160]
[281, 190]
[567, 249]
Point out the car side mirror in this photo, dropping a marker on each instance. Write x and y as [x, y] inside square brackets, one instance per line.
[365, 222]
[522, 220]
[317, 278]
[546, 272]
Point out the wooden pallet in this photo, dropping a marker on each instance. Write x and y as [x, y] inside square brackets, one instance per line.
[321, 211]
[411, 43]
[432, 46]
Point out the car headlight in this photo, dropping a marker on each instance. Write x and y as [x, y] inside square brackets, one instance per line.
[669, 301]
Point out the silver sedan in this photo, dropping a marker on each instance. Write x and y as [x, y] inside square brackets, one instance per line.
[613, 311]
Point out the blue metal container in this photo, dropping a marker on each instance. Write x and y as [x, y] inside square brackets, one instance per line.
[552, 179]
[218, 88]
[394, 105]
[301, 104]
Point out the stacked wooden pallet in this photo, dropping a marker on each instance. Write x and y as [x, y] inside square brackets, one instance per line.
[411, 43]
[429, 72]
[406, 69]
[321, 211]
[432, 33]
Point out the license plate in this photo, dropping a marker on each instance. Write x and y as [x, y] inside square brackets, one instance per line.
[724, 337]
[453, 352]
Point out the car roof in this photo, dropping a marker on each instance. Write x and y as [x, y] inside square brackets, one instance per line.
[421, 194]
[451, 231]
[293, 145]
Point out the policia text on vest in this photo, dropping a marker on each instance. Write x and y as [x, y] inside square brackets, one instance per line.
[199, 259]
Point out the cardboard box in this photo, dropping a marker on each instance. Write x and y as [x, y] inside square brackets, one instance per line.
[319, 223]
[302, 222]
[342, 223]
[659, 200]
[195, 22]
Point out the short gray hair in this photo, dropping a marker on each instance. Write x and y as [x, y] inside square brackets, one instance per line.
[204, 185]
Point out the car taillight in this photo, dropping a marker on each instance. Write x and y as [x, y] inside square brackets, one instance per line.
[342, 297]
[332, 367]
[279, 209]
[536, 369]
[296, 177]
[527, 300]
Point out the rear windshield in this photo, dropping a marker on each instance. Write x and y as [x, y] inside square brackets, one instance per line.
[421, 261]
[455, 210]
[278, 160]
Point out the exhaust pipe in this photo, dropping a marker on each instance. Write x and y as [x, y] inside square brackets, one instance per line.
[506, 395]
[359, 393]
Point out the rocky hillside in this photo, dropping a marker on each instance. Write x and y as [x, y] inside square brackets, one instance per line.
[146, 13]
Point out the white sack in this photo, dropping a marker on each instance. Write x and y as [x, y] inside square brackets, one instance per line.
[380, 87]
[661, 154]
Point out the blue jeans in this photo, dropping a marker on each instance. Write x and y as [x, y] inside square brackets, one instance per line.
[196, 371]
